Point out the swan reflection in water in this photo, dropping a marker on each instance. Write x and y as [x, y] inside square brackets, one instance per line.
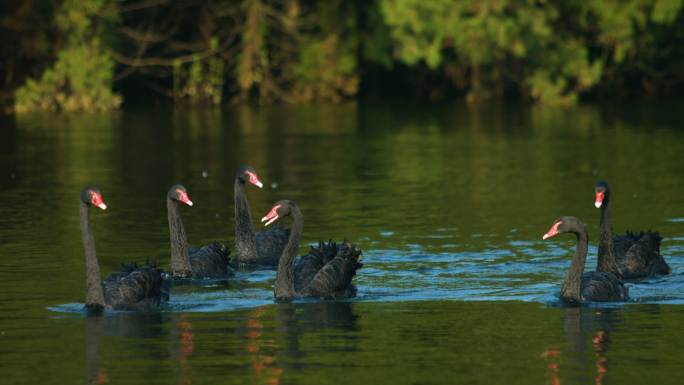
[260, 350]
[581, 325]
[95, 373]
[182, 332]
[131, 325]
[293, 321]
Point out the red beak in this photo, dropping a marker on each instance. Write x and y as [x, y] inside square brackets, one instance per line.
[184, 197]
[599, 199]
[553, 231]
[272, 216]
[97, 200]
[253, 179]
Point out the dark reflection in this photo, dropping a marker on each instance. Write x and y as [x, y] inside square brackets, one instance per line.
[133, 326]
[296, 319]
[95, 372]
[587, 331]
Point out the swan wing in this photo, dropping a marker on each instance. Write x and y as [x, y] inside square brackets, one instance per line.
[603, 286]
[638, 254]
[310, 264]
[136, 288]
[333, 280]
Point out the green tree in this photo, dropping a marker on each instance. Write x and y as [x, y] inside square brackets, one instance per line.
[550, 50]
[82, 76]
[296, 51]
[201, 80]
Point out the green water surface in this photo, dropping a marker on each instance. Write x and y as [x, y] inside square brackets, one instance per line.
[448, 202]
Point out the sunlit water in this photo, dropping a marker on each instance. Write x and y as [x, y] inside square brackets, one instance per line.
[448, 203]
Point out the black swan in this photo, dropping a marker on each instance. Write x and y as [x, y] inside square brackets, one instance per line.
[210, 261]
[325, 272]
[132, 288]
[263, 248]
[590, 286]
[633, 255]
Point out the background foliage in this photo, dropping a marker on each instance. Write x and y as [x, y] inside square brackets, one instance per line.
[82, 75]
[83, 55]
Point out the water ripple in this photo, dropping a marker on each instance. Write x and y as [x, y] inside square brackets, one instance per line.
[523, 271]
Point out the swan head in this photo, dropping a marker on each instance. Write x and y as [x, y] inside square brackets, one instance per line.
[564, 225]
[279, 210]
[248, 174]
[178, 193]
[93, 197]
[602, 192]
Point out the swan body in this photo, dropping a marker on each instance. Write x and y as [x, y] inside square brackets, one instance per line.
[210, 261]
[325, 272]
[589, 286]
[132, 288]
[632, 255]
[263, 248]
[638, 255]
[599, 286]
[135, 288]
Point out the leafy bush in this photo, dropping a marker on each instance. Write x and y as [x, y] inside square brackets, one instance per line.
[82, 76]
[201, 80]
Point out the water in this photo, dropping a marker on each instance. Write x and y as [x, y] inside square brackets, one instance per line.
[448, 203]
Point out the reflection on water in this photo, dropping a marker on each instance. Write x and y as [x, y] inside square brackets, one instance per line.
[356, 342]
[587, 331]
[298, 320]
[293, 323]
[185, 347]
[448, 203]
[265, 369]
[128, 327]
[600, 347]
[96, 374]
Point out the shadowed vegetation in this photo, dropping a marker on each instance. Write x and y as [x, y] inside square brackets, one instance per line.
[92, 54]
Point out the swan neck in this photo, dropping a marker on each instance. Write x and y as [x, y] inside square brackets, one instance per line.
[572, 286]
[180, 262]
[245, 241]
[284, 287]
[606, 255]
[94, 292]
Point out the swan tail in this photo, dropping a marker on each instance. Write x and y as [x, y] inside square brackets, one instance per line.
[638, 254]
[649, 239]
[336, 275]
[308, 265]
